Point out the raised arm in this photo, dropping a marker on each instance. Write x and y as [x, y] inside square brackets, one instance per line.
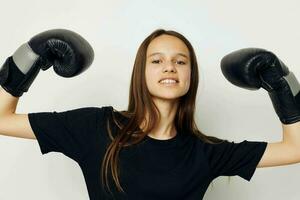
[66, 51]
[253, 68]
[12, 124]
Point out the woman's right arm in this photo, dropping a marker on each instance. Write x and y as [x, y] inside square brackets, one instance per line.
[12, 124]
[69, 54]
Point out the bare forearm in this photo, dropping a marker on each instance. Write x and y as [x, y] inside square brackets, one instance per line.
[8, 103]
[291, 133]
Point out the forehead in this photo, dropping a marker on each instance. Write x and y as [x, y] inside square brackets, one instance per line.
[167, 44]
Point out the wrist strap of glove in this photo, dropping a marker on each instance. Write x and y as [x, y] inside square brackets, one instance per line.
[13, 80]
[286, 99]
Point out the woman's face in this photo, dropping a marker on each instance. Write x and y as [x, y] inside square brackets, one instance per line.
[167, 56]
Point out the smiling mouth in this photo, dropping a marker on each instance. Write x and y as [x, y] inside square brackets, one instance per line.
[169, 84]
[172, 81]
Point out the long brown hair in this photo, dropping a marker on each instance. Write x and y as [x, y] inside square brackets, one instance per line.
[139, 100]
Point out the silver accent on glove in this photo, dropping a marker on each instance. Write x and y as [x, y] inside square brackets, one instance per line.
[24, 57]
[293, 83]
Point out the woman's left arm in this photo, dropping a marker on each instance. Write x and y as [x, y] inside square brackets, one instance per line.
[285, 152]
[252, 68]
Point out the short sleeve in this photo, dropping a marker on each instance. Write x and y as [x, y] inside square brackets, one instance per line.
[69, 132]
[230, 158]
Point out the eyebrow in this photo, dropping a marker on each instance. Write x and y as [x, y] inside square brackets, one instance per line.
[181, 54]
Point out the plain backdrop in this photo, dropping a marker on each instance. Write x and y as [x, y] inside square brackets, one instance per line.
[115, 29]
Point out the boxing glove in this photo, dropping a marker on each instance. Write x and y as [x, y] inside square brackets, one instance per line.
[68, 53]
[253, 68]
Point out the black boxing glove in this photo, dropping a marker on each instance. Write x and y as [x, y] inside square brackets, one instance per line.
[252, 68]
[68, 53]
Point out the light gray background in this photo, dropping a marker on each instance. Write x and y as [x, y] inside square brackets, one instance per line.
[115, 29]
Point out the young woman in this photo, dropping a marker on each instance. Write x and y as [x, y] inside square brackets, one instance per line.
[153, 150]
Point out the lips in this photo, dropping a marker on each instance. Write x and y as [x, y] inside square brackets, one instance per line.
[169, 78]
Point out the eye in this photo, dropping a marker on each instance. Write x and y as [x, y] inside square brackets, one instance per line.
[155, 61]
[182, 62]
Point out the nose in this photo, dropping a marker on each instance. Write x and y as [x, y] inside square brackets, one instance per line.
[169, 66]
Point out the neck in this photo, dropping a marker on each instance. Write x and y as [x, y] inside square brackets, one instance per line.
[165, 128]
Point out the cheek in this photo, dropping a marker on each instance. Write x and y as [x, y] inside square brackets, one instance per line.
[187, 79]
[150, 75]
[186, 75]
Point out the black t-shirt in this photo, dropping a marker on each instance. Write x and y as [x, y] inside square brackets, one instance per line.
[178, 168]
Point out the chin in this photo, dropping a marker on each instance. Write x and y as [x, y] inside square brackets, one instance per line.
[167, 97]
